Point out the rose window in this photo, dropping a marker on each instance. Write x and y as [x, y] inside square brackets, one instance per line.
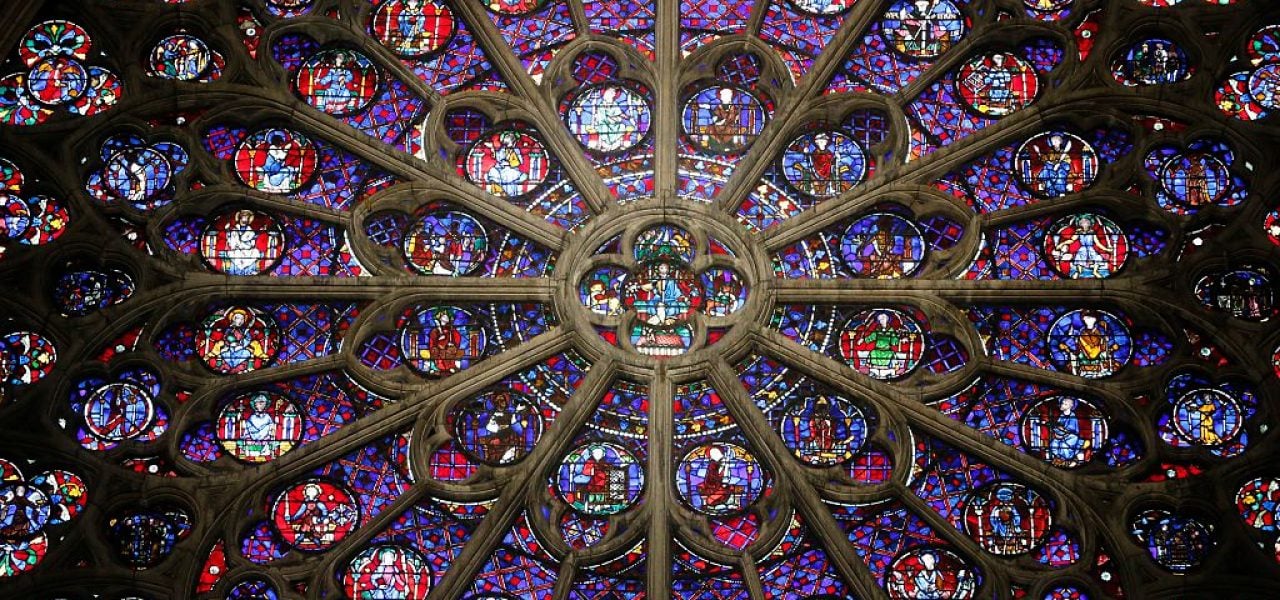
[596, 300]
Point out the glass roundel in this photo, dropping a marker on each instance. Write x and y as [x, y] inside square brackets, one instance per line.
[723, 119]
[609, 118]
[507, 163]
[824, 164]
[445, 243]
[824, 431]
[599, 478]
[923, 29]
[412, 28]
[664, 299]
[258, 427]
[536, 299]
[719, 478]
[277, 161]
[242, 242]
[338, 81]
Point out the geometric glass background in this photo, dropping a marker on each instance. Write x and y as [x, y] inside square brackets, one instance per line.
[576, 299]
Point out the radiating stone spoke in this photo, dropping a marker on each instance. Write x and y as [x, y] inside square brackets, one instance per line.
[816, 516]
[529, 480]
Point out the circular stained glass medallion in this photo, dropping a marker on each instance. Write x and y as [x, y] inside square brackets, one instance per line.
[446, 243]
[412, 28]
[824, 164]
[66, 491]
[276, 161]
[923, 28]
[237, 339]
[882, 246]
[339, 82]
[259, 426]
[609, 118]
[1007, 518]
[823, 431]
[387, 571]
[599, 478]
[1091, 344]
[137, 174]
[1086, 246]
[443, 340]
[314, 515]
[1258, 502]
[929, 572]
[882, 343]
[1207, 417]
[997, 84]
[24, 510]
[499, 427]
[242, 242]
[56, 81]
[182, 57]
[1064, 431]
[507, 163]
[723, 119]
[119, 411]
[719, 478]
[1056, 164]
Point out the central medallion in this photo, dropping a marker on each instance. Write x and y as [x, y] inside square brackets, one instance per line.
[663, 294]
[664, 286]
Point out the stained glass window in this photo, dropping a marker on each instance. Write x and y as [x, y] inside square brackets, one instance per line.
[605, 300]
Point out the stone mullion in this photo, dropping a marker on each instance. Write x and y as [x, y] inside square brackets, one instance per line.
[419, 491]
[771, 141]
[242, 491]
[792, 481]
[666, 109]
[863, 291]
[389, 287]
[376, 291]
[1121, 293]
[1115, 396]
[1157, 304]
[578, 12]
[401, 415]
[925, 170]
[390, 419]
[209, 384]
[989, 35]
[443, 177]
[564, 578]
[527, 482]
[757, 17]
[659, 480]
[353, 33]
[995, 574]
[869, 196]
[751, 577]
[927, 419]
[1113, 393]
[430, 175]
[1062, 485]
[834, 213]
[547, 118]
[1123, 202]
[336, 557]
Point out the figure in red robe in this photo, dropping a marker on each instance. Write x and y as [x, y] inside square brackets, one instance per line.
[822, 167]
[714, 490]
[593, 480]
[445, 343]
